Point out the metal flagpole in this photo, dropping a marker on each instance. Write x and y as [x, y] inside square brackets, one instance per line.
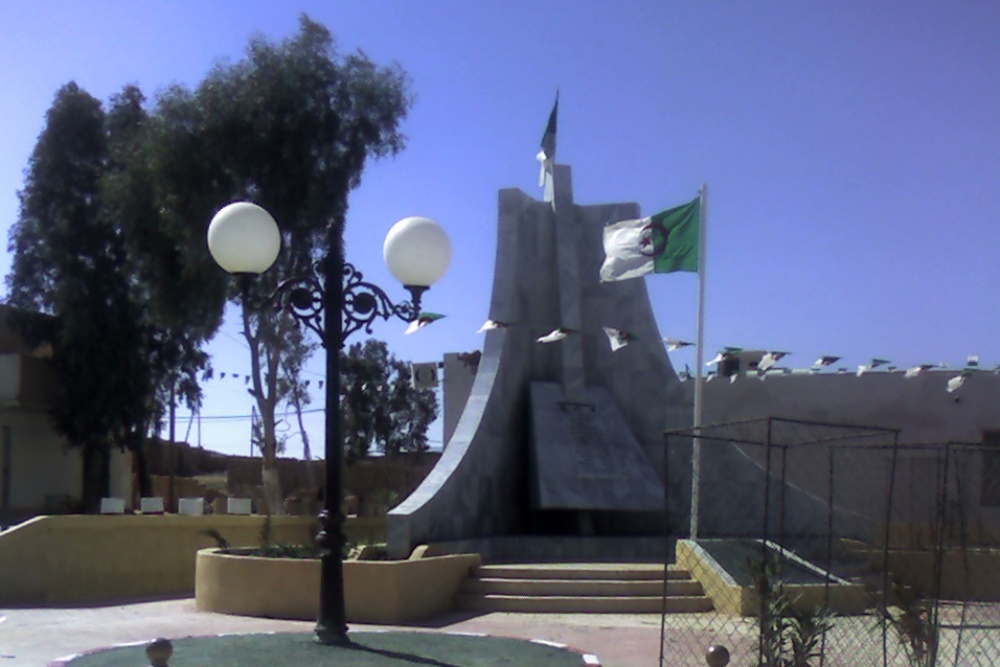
[699, 380]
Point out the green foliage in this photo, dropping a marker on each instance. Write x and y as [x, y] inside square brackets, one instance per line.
[915, 624]
[289, 126]
[384, 500]
[789, 637]
[220, 542]
[70, 261]
[110, 237]
[379, 406]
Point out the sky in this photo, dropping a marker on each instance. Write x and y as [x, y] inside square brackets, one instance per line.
[851, 152]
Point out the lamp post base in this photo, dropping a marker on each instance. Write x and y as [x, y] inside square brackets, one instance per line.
[331, 636]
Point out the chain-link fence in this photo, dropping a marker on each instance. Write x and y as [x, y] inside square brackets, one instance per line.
[830, 545]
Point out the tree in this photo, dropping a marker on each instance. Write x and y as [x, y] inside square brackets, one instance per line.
[129, 308]
[379, 405]
[180, 306]
[290, 127]
[66, 263]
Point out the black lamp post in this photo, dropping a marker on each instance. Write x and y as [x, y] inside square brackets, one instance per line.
[334, 301]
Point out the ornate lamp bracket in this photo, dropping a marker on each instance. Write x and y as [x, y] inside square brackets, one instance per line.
[362, 302]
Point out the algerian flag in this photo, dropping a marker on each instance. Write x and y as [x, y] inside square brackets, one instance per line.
[674, 344]
[662, 243]
[725, 353]
[618, 338]
[916, 370]
[423, 319]
[492, 324]
[554, 336]
[875, 363]
[547, 156]
[770, 359]
[956, 382]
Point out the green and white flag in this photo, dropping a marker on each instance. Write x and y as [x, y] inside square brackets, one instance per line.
[423, 319]
[662, 243]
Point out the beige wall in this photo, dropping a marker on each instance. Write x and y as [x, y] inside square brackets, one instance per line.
[40, 465]
[61, 559]
[42, 472]
[43, 469]
[374, 591]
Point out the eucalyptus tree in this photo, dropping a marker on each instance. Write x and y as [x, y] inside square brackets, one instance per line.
[290, 126]
[67, 260]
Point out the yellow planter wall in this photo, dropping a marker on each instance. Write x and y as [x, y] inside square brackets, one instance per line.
[374, 591]
[77, 558]
[731, 599]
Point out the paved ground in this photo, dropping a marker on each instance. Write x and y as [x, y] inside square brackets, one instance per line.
[33, 637]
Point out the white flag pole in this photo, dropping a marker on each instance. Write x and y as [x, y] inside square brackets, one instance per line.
[699, 380]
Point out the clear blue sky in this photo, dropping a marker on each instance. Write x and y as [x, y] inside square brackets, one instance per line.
[851, 149]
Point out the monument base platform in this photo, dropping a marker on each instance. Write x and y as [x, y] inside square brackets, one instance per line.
[560, 549]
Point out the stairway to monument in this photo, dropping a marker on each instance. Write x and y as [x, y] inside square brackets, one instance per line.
[628, 588]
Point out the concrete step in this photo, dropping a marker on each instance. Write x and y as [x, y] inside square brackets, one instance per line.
[628, 571]
[638, 604]
[635, 588]
[579, 587]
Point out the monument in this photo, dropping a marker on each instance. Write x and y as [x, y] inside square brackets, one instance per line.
[559, 450]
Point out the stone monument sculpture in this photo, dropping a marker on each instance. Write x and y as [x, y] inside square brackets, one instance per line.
[560, 445]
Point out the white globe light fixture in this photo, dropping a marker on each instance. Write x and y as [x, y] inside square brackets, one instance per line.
[417, 251]
[244, 239]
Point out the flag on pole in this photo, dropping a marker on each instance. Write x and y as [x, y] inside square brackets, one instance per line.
[828, 360]
[547, 156]
[875, 363]
[770, 359]
[662, 243]
[673, 344]
[957, 381]
[489, 325]
[554, 336]
[423, 319]
[618, 338]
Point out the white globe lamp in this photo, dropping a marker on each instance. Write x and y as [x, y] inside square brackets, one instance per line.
[417, 251]
[244, 239]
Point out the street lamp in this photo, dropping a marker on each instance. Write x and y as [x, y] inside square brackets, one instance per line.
[334, 301]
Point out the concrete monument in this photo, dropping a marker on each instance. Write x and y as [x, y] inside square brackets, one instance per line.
[562, 440]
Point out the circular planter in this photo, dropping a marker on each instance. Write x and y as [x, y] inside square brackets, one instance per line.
[288, 588]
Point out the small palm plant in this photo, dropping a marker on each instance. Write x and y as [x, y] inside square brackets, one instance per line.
[914, 623]
[789, 636]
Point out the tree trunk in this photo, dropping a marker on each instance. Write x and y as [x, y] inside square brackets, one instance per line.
[142, 469]
[271, 483]
[96, 475]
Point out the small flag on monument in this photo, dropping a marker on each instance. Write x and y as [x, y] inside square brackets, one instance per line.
[673, 344]
[492, 324]
[826, 361]
[423, 319]
[875, 363]
[770, 359]
[724, 353]
[916, 370]
[662, 243]
[956, 382]
[618, 338]
[554, 336]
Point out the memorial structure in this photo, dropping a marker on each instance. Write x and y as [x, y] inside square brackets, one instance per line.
[559, 450]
